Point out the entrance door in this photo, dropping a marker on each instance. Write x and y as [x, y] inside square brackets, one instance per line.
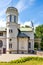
[4, 50]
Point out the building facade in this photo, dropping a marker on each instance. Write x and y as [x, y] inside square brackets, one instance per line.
[13, 38]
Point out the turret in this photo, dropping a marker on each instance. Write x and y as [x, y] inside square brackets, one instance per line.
[12, 27]
[12, 14]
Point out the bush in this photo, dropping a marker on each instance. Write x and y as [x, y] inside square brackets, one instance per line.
[21, 60]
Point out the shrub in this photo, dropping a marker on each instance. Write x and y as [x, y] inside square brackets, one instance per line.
[21, 60]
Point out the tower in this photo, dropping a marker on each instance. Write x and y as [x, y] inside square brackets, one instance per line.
[12, 29]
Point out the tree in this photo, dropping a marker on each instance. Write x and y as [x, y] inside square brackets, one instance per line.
[27, 26]
[39, 34]
[39, 31]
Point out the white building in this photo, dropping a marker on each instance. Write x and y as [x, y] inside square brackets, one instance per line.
[13, 38]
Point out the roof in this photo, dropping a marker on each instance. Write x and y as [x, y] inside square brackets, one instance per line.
[11, 8]
[21, 29]
[2, 29]
[25, 29]
[22, 35]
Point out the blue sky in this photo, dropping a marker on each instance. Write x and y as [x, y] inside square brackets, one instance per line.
[29, 10]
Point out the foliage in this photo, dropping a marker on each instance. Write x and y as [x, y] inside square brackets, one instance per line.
[39, 31]
[27, 59]
[39, 34]
[27, 26]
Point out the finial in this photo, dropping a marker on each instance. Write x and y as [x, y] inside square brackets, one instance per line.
[32, 24]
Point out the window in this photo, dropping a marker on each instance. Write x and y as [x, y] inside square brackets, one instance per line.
[14, 18]
[10, 39]
[10, 18]
[1, 43]
[1, 34]
[10, 45]
[10, 31]
[29, 45]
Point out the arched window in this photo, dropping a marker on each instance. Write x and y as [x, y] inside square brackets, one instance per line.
[1, 43]
[14, 18]
[10, 31]
[10, 18]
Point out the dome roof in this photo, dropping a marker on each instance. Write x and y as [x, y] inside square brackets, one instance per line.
[11, 8]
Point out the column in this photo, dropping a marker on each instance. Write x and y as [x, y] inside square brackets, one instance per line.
[7, 46]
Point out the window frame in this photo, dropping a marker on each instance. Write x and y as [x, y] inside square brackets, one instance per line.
[10, 31]
[1, 33]
[10, 45]
[14, 18]
[10, 18]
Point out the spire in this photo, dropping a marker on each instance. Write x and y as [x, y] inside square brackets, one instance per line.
[32, 24]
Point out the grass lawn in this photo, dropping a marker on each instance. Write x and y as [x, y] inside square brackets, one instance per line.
[25, 63]
[30, 61]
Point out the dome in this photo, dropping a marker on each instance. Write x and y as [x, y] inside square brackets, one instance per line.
[11, 9]
[12, 14]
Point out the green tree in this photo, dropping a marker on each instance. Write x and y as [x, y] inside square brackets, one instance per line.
[39, 34]
[27, 26]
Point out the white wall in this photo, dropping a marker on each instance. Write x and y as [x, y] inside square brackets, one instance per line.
[12, 35]
[31, 35]
[23, 44]
[3, 38]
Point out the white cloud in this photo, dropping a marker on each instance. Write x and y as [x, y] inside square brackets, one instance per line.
[23, 4]
[26, 23]
[20, 5]
[2, 23]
